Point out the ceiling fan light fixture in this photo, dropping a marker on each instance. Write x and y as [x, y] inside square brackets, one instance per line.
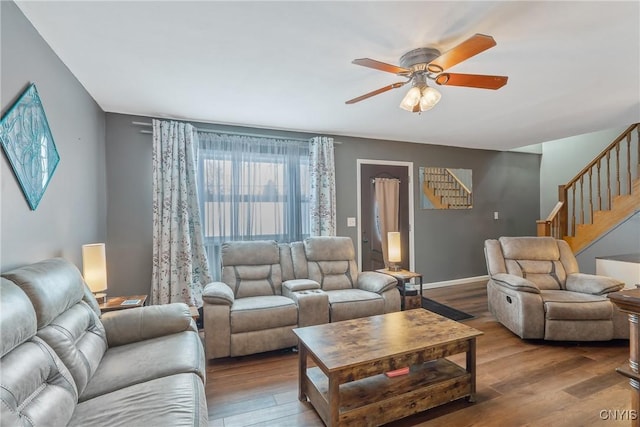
[411, 99]
[430, 97]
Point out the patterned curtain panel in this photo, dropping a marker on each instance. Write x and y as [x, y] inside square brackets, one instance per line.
[322, 197]
[180, 269]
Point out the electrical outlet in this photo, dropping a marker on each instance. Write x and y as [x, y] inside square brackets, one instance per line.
[351, 222]
[496, 215]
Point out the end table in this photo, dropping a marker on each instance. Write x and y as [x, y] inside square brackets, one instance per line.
[121, 303]
[404, 276]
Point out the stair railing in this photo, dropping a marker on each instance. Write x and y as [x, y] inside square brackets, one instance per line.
[551, 225]
[610, 174]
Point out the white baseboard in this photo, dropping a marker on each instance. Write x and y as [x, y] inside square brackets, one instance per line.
[463, 281]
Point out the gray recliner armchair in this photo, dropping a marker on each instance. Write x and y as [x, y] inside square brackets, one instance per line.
[245, 312]
[536, 290]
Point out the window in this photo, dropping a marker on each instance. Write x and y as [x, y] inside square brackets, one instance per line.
[252, 189]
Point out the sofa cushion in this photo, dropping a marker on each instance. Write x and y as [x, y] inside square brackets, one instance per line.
[65, 322]
[252, 268]
[143, 323]
[18, 317]
[332, 275]
[299, 259]
[176, 400]
[567, 305]
[533, 248]
[128, 364]
[286, 262]
[263, 312]
[494, 257]
[325, 248]
[37, 389]
[253, 280]
[53, 286]
[354, 303]
[256, 252]
[77, 336]
[545, 274]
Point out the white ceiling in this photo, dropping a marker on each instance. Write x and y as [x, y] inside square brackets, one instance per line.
[573, 67]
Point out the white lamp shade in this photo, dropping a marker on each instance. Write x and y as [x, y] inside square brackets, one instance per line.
[94, 266]
[393, 242]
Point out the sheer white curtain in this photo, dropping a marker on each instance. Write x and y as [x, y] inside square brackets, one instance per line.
[252, 189]
[387, 193]
[180, 270]
[323, 187]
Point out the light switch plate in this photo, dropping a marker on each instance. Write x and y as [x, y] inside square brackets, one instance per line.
[351, 222]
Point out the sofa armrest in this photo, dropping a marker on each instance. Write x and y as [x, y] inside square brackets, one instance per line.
[373, 281]
[592, 284]
[516, 283]
[218, 293]
[143, 323]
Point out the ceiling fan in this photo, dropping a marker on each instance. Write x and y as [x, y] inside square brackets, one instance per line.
[425, 63]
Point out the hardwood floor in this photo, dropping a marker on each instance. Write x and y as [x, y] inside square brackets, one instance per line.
[533, 383]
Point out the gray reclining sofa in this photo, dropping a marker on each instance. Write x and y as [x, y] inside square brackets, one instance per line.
[65, 364]
[267, 289]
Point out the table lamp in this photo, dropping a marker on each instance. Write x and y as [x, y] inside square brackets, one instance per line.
[394, 252]
[94, 266]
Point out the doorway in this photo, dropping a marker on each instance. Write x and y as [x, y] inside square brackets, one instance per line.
[369, 241]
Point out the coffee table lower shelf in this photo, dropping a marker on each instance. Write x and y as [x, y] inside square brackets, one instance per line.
[380, 399]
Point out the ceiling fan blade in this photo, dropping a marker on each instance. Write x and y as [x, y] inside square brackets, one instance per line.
[465, 50]
[382, 66]
[471, 80]
[376, 92]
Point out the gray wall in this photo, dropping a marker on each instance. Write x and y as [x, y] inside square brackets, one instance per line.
[448, 243]
[620, 240]
[129, 226]
[562, 159]
[73, 209]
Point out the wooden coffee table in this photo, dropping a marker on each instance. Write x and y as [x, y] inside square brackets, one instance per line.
[348, 385]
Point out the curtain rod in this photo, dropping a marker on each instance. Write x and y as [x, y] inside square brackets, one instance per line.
[229, 133]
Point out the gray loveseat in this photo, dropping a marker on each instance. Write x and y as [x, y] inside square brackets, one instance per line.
[62, 363]
[267, 289]
[536, 290]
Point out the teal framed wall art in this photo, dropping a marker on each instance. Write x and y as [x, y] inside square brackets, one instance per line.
[28, 144]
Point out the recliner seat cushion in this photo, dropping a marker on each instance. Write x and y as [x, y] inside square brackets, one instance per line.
[176, 400]
[354, 303]
[262, 312]
[567, 305]
[126, 365]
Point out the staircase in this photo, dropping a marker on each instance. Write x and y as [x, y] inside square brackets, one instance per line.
[602, 195]
[444, 190]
